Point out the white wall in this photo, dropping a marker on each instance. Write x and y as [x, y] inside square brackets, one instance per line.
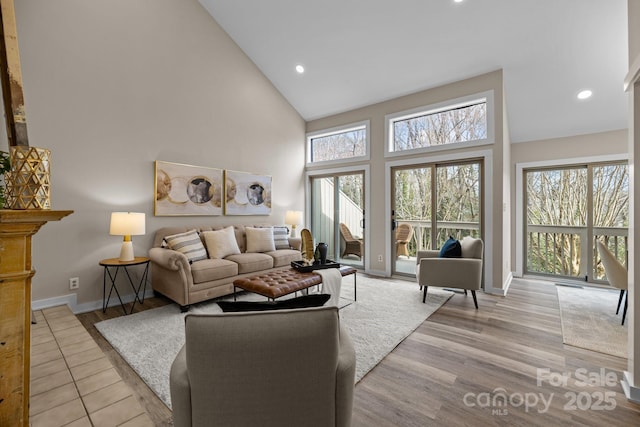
[112, 86]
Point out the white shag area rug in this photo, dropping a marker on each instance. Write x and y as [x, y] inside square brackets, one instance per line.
[385, 313]
[589, 319]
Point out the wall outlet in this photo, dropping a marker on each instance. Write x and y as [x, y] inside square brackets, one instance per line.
[380, 258]
[74, 283]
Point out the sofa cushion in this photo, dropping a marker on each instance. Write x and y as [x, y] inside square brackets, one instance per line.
[313, 300]
[281, 237]
[221, 243]
[260, 239]
[283, 257]
[213, 269]
[250, 262]
[188, 243]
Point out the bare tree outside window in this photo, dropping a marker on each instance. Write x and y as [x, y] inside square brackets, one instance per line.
[342, 145]
[460, 124]
[558, 217]
[457, 201]
[457, 192]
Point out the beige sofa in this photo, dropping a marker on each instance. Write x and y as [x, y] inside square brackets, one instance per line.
[186, 283]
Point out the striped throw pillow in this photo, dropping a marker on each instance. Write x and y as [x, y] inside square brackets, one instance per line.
[188, 243]
[281, 237]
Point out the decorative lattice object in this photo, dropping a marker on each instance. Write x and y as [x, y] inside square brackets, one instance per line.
[28, 182]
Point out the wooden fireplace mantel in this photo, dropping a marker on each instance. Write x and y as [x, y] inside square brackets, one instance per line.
[16, 229]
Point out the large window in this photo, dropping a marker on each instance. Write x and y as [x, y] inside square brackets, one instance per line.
[465, 120]
[567, 210]
[334, 145]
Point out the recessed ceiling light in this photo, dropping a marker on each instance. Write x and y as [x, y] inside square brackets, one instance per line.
[458, 1]
[299, 68]
[584, 94]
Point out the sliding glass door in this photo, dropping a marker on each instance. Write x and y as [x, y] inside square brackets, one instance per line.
[431, 202]
[567, 210]
[337, 215]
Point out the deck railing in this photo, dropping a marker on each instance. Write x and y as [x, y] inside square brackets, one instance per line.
[562, 251]
[421, 238]
[552, 250]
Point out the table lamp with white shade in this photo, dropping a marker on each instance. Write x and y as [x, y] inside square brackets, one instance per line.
[127, 224]
[294, 218]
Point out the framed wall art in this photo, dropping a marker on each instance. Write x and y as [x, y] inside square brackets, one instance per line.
[247, 194]
[187, 190]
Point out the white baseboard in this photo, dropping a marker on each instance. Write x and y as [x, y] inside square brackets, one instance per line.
[501, 291]
[632, 392]
[71, 300]
[507, 284]
[379, 273]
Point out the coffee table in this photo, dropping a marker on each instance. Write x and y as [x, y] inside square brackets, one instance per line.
[278, 283]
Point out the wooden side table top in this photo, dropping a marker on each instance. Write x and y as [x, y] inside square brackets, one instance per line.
[115, 262]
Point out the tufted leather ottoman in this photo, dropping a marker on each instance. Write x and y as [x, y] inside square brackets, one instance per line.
[275, 284]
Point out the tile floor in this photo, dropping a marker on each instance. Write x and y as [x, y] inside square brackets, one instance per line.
[72, 381]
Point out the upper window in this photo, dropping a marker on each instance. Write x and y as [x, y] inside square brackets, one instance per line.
[346, 143]
[464, 120]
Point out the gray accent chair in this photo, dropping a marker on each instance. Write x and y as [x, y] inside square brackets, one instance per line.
[267, 368]
[460, 273]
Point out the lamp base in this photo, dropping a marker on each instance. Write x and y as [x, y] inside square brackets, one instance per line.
[293, 232]
[126, 251]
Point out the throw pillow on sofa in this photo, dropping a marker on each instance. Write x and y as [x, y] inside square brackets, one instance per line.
[451, 249]
[281, 237]
[221, 243]
[260, 239]
[188, 243]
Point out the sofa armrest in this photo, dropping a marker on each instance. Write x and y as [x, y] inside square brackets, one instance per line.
[462, 273]
[345, 379]
[169, 259]
[295, 243]
[180, 390]
[171, 274]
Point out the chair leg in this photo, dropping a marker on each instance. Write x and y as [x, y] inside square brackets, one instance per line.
[620, 300]
[424, 295]
[624, 312]
[475, 301]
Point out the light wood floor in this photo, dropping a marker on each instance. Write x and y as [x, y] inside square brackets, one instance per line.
[452, 370]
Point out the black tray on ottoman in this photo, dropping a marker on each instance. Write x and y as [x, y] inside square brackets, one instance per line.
[301, 267]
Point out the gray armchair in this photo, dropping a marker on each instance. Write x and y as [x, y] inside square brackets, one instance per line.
[268, 368]
[460, 273]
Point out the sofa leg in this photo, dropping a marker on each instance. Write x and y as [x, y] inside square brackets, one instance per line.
[424, 295]
[475, 301]
[184, 308]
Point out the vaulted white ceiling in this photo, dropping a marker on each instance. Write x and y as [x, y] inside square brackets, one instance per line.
[359, 52]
